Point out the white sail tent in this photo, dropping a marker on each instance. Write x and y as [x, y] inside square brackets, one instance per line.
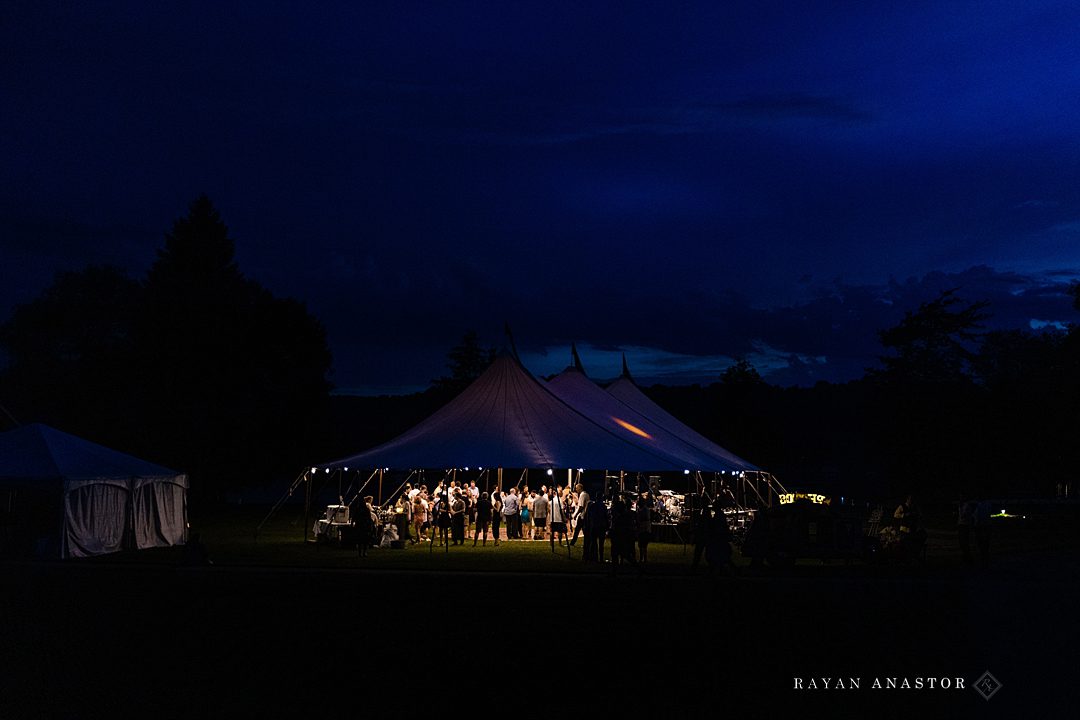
[606, 410]
[102, 494]
[507, 418]
[625, 391]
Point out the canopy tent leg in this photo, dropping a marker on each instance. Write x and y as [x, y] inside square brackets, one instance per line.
[307, 507]
[288, 494]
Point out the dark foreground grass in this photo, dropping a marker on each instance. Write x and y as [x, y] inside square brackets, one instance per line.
[284, 629]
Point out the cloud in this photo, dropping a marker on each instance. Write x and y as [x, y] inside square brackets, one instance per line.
[671, 334]
[795, 105]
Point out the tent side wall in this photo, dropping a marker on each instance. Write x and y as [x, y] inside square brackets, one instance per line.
[99, 513]
[159, 512]
[95, 518]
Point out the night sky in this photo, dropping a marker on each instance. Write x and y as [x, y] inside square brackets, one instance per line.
[688, 182]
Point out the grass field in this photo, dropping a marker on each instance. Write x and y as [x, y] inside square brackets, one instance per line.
[281, 628]
[230, 536]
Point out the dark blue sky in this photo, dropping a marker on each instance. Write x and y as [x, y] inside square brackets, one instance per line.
[691, 182]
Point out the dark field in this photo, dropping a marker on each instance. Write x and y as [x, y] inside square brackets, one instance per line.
[281, 628]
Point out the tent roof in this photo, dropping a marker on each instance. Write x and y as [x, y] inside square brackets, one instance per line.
[507, 418]
[39, 452]
[626, 391]
[606, 410]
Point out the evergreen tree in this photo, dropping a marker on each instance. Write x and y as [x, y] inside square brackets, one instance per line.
[466, 361]
[233, 376]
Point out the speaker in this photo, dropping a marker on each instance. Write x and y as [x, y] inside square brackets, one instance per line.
[337, 513]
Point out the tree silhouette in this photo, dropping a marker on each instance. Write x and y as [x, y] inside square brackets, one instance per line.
[466, 361]
[198, 368]
[69, 353]
[742, 372]
[936, 342]
[234, 375]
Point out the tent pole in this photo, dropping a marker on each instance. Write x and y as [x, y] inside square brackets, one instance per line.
[307, 505]
[302, 477]
[380, 486]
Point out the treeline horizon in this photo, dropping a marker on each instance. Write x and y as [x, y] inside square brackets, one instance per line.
[197, 367]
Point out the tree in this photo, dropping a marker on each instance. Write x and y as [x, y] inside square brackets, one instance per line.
[69, 353]
[935, 343]
[198, 368]
[235, 377]
[741, 373]
[466, 361]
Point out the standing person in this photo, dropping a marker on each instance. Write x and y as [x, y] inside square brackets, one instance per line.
[466, 498]
[419, 518]
[595, 521]
[403, 507]
[558, 516]
[483, 518]
[496, 514]
[510, 514]
[699, 524]
[457, 519]
[718, 549]
[442, 519]
[526, 514]
[909, 523]
[579, 512]
[473, 500]
[365, 520]
[540, 513]
[643, 522]
[622, 535]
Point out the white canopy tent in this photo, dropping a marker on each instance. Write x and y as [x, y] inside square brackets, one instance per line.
[103, 493]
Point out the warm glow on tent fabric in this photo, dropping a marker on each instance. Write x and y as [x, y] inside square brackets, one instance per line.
[632, 428]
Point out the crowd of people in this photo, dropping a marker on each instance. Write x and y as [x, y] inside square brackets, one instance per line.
[451, 514]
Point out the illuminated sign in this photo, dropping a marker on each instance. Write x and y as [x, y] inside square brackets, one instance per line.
[788, 498]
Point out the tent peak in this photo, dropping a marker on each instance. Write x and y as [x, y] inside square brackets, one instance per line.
[575, 358]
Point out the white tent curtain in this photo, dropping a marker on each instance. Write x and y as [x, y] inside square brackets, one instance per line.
[97, 513]
[95, 516]
[159, 513]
